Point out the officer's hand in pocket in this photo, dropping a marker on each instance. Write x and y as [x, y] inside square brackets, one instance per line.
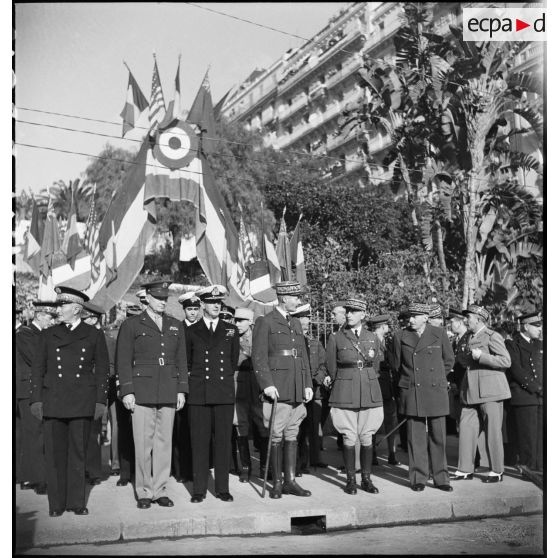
[129, 401]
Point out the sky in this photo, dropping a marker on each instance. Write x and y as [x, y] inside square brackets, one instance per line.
[69, 60]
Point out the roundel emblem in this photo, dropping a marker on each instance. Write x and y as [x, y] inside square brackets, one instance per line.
[177, 146]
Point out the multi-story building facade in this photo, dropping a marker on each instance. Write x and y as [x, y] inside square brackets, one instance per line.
[298, 100]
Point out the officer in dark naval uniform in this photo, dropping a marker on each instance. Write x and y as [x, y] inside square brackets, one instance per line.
[525, 377]
[212, 349]
[152, 370]
[69, 389]
[32, 455]
[282, 369]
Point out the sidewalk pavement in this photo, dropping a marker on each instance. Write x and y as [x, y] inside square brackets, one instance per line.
[113, 514]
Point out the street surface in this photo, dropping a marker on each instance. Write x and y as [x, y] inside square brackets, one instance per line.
[518, 535]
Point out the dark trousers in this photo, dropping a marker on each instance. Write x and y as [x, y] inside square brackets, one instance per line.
[181, 446]
[126, 448]
[93, 464]
[309, 434]
[205, 419]
[65, 452]
[529, 429]
[423, 445]
[32, 446]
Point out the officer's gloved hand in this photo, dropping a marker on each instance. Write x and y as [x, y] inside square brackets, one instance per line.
[129, 401]
[37, 410]
[99, 411]
[180, 401]
[271, 392]
[308, 393]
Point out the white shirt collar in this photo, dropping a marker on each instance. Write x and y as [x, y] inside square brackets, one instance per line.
[528, 339]
[207, 321]
[36, 324]
[75, 324]
[189, 324]
[357, 329]
[483, 327]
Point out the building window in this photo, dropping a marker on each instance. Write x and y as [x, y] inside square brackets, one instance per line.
[339, 67]
[290, 102]
[322, 79]
[381, 25]
[289, 129]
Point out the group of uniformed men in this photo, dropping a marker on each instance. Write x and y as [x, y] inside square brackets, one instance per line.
[180, 394]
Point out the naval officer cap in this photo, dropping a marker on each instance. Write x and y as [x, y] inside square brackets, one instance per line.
[189, 300]
[380, 319]
[534, 319]
[288, 288]
[226, 313]
[157, 289]
[48, 307]
[90, 309]
[211, 294]
[355, 304]
[302, 311]
[65, 295]
[418, 309]
[478, 310]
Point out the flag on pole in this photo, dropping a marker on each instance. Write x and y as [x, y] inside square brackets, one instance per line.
[201, 113]
[297, 255]
[174, 106]
[51, 240]
[135, 104]
[33, 240]
[283, 250]
[91, 240]
[219, 106]
[157, 102]
[245, 258]
[270, 255]
[71, 245]
[261, 288]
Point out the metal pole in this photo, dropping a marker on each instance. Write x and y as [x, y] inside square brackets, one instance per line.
[271, 425]
[391, 432]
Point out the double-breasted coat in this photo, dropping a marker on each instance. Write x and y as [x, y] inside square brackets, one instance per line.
[279, 356]
[485, 379]
[70, 371]
[525, 374]
[421, 365]
[353, 372]
[150, 362]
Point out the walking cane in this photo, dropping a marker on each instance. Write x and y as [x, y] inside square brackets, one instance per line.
[271, 424]
[391, 432]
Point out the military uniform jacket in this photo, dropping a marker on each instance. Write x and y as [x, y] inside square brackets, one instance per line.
[26, 339]
[525, 374]
[212, 362]
[485, 379]
[318, 370]
[70, 371]
[280, 358]
[354, 377]
[421, 365]
[151, 363]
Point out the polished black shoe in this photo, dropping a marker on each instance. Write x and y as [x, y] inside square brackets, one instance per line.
[351, 487]
[164, 501]
[79, 511]
[41, 489]
[298, 474]
[144, 503]
[26, 486]
[489, 479]
[417, 487]
[197, 498]
[290, 486]
[55, 513]
[444, 487]
[122, 482]
[225, 496]
[460, 476]
[115, 472]
[320, 465]
[244, 474]
[392, 460]
[367, 485]
[276, 490]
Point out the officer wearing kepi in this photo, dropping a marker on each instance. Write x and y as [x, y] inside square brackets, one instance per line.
[69, 389]
[152, 370]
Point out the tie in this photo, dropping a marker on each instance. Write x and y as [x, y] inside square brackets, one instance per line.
[212, 327]
[69, 326]
[356, 333]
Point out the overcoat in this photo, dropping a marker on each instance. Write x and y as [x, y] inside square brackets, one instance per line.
[70, 371]
[279, 356]
[354, 376]
[212, 361]
[422, 364]
[525, 374]
[26, 339]
[151, 363]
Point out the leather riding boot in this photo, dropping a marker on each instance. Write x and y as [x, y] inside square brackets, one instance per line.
[245, 464]
[276, 460]
[374, 455]
[233, 468]
[290, 485]
[349, 457]
[366, 468]
[263, 456]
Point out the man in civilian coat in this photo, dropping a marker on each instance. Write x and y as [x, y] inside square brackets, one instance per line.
[69, 389]
[422, 358]
[32, 453]
[152, 371]
[526, 385]
[282, 369]
[483, 390]
[212, 349]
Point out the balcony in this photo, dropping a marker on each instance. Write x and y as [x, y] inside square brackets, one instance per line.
[347, 70]
[300, 102]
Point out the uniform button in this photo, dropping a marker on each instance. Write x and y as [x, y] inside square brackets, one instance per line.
[220, 370]
[415, 354]
[79, 366]
[57, 349]
[418, 385]
[57, 358]
[83, 350]
[206, 360]
[207, 377]
[221, 377]
[206, 352]
[60, 375]
[162, 354]
[222, 352]
[77, 375]
[82, 358]
[207, 369]
[162, 344]
[417, 369]
[221, 361]
[59, 367]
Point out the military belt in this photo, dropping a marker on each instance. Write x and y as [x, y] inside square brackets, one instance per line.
[360, 364]
[286, 352]
[154, 361]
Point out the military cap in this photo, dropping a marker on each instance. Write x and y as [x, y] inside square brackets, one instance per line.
[133, 310]
[379, 320]
[213, 293]
[302, 311]
[534, 319]
[416, 308]
[158, 289]
[244, 314]
[355, 304]
[90, 309]
[435, 311]
[453, 313]
[478, 310]
[226, 312]
[65, 295]
[141, 294]
[49, 307]
[288, 288]
[189, 300]
[338, 303]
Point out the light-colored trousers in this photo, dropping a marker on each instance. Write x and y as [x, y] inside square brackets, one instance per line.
[484, 418]
[288, 417]
[152, 426]
[357, 424]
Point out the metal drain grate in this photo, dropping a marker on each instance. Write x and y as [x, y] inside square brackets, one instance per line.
[308, 525]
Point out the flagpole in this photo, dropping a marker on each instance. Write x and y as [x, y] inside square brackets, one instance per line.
[262, 246]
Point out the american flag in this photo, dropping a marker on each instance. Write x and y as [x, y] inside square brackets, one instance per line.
[157, 103]
[92, 239]
[245, 257]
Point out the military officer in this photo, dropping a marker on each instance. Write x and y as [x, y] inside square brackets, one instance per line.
[212, 347]
[459, 343]
[226, 314]
[483, 390]
[435, 316]
[69, 389]
[355, 398]
[152, 370]
[192, 308]
[31, 447]
[282, 369]
[422, 358]
[142, 298]
[526, 385]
